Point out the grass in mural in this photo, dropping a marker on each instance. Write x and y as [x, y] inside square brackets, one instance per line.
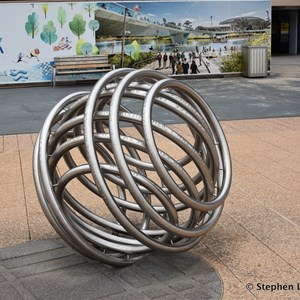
[129, 62]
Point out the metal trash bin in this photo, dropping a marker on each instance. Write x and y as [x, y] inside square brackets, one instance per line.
[255, 61]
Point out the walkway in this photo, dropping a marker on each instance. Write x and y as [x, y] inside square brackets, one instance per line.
[207, 66]
[254, 245]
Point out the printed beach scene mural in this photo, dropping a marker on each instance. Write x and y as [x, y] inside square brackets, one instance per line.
[164, 35]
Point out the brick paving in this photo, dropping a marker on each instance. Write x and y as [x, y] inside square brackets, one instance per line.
[254, 245]
[256, 240]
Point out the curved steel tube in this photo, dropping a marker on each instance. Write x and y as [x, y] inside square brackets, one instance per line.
[153, 199]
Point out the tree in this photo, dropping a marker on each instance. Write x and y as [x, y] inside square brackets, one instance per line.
[86, 48]
[187, 24]
[137, 50]
[45, 9]
[94, 25]
[171, 24]
[78, 46]
[31, 26]
[72, 5]
[77, 25]
[89, 7]
[61, 16]
[82, 49]
[49, 35]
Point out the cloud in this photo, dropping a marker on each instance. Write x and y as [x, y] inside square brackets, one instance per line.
[247, 14]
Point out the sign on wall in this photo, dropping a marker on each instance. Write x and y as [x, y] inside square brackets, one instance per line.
[210, 33]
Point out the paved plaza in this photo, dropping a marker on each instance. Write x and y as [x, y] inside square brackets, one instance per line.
[254, 247]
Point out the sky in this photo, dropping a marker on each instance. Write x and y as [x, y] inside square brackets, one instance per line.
[200, 12]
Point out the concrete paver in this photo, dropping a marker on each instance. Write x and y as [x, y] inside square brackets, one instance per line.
[257, 238]
[49, 270]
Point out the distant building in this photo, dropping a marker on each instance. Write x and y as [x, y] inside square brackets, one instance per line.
[219, 27]
[246, 23]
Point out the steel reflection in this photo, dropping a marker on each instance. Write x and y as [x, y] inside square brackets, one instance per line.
[116, 183]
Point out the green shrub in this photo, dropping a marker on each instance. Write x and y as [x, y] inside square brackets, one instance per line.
[116, 60]
[232, 63]
[144, 59]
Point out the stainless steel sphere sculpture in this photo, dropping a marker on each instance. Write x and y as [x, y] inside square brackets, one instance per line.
[116, 183]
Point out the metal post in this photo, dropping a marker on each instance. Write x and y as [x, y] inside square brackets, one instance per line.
[123, 38]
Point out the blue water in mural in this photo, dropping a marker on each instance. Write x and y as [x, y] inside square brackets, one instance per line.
[18, 75]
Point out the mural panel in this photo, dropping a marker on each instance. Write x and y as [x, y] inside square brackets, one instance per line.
[175, 37]
[31, 35]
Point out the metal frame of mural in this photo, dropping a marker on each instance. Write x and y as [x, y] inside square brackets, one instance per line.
[165, 35]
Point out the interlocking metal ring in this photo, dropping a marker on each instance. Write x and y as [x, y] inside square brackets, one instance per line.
[117, 182]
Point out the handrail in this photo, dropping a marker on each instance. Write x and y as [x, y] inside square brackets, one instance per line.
[205, 64]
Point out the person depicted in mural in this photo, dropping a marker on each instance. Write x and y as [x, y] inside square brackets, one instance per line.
[170, 59]
[20, 58]
[34, 53]
[68, 43]
[185, 66]
[1, 50]
[159, 57]
[178, 55]
[165, 59]
[200, 59]
[179, 68]
[173, 63]
[194, 68]
[64, 43]
[136, 9]
[61, 44]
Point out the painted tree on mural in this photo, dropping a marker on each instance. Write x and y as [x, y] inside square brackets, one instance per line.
[49, 35]
[45, 9]
[61, 16]
[187, 24]
[82, 48]
[87, 48]
[32, 25]
[94, 25]
[89, 7]
[77, 25]
[72, 4]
